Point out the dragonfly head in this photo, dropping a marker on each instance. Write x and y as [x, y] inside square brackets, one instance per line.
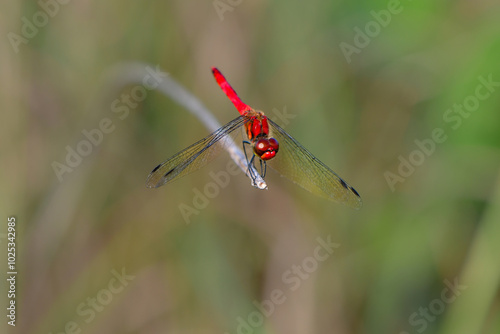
[266, 148]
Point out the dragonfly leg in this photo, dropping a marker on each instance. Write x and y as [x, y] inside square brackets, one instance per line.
[246, 142]
[263, 168]
[249, 162]
[252, 170]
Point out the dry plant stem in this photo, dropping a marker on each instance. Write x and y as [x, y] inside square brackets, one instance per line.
[129, 73]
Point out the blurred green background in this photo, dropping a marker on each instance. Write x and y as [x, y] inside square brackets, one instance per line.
[368, 85]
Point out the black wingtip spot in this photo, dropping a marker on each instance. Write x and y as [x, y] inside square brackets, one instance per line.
[170, 171]
[355, 192]
[343, 184]
[156, 168]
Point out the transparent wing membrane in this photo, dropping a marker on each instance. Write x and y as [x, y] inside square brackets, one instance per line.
[193, 157]
[296, 163]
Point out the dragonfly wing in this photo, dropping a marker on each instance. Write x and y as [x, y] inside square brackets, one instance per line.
[193, 157]
[296, 163]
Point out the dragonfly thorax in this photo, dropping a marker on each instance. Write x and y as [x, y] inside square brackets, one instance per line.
[257, 128]
[256, 125]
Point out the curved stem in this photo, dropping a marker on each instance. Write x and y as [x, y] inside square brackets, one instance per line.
[127, 73]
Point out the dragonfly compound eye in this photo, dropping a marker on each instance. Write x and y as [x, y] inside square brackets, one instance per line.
[266, 148]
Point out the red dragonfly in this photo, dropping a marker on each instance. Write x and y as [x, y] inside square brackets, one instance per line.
[270, 143]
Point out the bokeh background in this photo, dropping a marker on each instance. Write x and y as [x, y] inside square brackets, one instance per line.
[421, 256]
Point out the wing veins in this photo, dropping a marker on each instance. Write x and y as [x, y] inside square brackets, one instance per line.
[310, 172]
[164, 172]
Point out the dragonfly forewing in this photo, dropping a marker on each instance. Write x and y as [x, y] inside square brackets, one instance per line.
[296, 163]
[195, 156]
